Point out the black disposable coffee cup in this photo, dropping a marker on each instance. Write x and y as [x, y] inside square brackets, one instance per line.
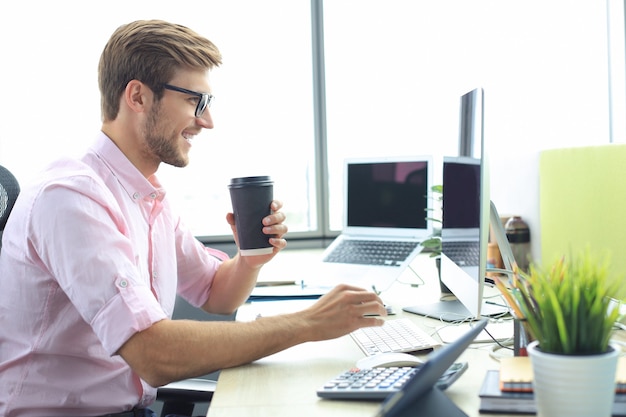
[251, 198]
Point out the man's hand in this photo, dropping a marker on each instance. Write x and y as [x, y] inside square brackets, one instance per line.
[342, 310]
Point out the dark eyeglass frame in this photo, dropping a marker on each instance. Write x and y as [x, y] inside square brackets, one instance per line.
[203, 103]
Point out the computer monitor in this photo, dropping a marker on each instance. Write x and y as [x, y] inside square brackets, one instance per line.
[466, 216]
[471, 124]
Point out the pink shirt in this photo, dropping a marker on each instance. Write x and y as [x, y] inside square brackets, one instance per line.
[91, 254]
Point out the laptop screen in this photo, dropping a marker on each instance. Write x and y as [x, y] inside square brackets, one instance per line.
[461, 193]
[387, 194]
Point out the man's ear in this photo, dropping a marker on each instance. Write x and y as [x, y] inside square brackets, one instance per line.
[137, 96]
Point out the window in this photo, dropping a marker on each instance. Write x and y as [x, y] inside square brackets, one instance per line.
[391, 76]
[395, 70]
[263, 111]
[263, 114]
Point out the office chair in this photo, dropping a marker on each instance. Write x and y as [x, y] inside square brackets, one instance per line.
[180, 398]
[9, 190]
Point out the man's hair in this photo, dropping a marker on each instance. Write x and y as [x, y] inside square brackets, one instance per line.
[149, 51]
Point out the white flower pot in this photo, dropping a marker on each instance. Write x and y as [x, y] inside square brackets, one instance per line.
[573, 385]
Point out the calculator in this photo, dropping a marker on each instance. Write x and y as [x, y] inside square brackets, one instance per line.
[378, 383]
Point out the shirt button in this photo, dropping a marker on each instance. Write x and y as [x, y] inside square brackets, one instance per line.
[153, 195]
[136, 196]
[123, 283]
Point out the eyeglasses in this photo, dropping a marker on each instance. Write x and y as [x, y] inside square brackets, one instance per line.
[203, 103]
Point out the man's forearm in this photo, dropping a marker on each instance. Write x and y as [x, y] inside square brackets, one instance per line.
[232, 285]
[172, 350]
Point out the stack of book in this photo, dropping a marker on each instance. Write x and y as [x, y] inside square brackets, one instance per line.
[509, 390]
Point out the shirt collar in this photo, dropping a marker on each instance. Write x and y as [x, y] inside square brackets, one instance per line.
[129, 177]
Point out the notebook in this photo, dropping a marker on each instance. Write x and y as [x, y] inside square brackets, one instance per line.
[386, 200]
[461, 212]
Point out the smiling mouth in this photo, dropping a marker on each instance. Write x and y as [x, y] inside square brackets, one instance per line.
[188, 137]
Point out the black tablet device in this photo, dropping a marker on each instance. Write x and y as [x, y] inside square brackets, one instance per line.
[420, 396]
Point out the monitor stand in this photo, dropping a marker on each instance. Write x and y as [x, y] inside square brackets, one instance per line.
[453, 310]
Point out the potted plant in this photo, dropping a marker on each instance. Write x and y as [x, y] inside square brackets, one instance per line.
[568, 310]
[433, 243]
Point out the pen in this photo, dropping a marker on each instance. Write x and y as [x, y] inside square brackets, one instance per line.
[509, 299]
[274, 283]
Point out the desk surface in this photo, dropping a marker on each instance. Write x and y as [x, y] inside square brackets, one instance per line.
[285, 384]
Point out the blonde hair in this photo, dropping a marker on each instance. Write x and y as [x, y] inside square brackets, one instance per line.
[149, 51]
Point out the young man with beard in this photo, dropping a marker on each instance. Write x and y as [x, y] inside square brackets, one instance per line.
[93, 254]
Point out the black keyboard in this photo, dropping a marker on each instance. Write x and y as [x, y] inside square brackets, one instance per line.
[378, 383]
[462, 253]
[371, 252]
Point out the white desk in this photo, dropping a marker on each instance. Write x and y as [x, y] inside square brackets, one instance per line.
[284, 384]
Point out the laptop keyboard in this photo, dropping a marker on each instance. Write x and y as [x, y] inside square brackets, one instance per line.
[462, 253]
[371, 252]
[396, 335]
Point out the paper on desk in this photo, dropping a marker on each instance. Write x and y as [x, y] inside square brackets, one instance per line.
[500, 331]
[292, 266]
[257, 309]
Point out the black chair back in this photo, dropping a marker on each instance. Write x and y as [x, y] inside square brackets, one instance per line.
[9, 190]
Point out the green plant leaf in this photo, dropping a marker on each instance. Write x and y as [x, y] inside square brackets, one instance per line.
[567, 306]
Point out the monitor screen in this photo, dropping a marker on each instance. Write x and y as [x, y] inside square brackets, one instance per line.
[465, 221]
[461, 194]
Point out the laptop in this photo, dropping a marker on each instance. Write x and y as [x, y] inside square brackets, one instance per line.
[460, 231]
[420, 392]
[386, 200]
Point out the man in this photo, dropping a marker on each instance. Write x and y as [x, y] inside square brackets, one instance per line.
[93, 254]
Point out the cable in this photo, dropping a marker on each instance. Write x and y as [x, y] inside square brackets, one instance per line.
[495, 348]
[497, 341]
[413, 284]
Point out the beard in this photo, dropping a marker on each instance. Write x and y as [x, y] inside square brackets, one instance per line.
[161, 147]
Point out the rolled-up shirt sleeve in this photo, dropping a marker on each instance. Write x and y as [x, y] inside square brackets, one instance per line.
[132, 310]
